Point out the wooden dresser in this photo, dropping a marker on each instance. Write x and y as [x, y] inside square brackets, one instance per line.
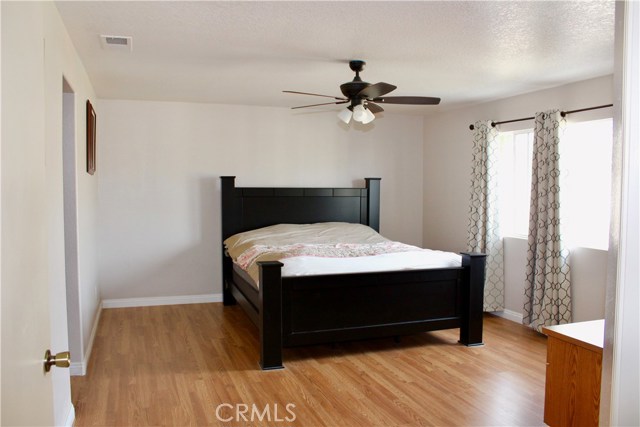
[574, 367]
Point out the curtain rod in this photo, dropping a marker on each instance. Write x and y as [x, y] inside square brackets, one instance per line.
[562, 113]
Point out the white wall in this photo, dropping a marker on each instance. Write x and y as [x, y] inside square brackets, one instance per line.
[40, 54]
[62, 60]
[447, 174]
[160, 163]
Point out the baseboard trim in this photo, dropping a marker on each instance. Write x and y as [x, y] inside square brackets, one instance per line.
[153, 301]
[77, 369]
[80, 368]
[514, 316]
[92, 337]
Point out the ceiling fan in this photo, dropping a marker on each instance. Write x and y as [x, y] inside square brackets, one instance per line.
[363, 98]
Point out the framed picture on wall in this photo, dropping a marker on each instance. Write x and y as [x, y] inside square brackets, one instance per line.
[91, 139]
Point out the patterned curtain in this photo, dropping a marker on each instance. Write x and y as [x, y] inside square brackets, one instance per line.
[484, 227]
[547, 286]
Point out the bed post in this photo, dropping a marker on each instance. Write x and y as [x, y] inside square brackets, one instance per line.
[373, 203]
[473, 298]
[270, 316]
[229, 217]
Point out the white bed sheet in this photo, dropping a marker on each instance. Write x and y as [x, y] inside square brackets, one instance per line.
[415, 260]
[334, 235]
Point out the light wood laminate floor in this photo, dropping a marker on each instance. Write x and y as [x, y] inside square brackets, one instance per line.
[174, 365]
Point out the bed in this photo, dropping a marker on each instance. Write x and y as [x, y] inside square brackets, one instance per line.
[328, 308]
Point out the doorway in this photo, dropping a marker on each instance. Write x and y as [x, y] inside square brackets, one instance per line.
[71, 228]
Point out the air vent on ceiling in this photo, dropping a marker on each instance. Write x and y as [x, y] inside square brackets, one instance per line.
[117, 42]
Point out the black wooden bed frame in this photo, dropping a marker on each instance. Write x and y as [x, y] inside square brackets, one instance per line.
[304, 310]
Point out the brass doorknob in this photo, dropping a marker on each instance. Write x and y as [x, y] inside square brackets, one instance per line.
[61, 360]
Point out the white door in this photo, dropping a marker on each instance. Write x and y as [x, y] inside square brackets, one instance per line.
[27, 392]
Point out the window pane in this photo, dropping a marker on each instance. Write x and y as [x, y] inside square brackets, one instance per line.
[515, 182]
[585, 156]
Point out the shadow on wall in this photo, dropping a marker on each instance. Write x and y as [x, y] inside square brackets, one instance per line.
[194, 269]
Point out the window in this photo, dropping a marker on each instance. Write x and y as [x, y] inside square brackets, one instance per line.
[585, 153]
[515, 151]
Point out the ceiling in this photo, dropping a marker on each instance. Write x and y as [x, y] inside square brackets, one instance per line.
[246, 52]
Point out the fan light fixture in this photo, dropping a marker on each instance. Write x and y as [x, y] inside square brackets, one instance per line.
[363, 98]
[360, 114]
[368, 116]
[345, 115]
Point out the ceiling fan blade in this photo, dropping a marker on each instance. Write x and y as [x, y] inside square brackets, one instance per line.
[324, 103]
[315, 94]
[376, 90]
[374, 108]
[412, 100]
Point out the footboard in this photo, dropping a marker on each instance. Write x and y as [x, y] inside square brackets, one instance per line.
[294, 311]
[320, 309]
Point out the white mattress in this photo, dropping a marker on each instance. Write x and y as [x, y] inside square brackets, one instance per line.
[330, 248]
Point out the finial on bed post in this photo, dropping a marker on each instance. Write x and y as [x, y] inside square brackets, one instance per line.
[229, 212]
[471, 328]
[373, 202]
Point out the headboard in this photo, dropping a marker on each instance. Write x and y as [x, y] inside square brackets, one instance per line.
[248, 208]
